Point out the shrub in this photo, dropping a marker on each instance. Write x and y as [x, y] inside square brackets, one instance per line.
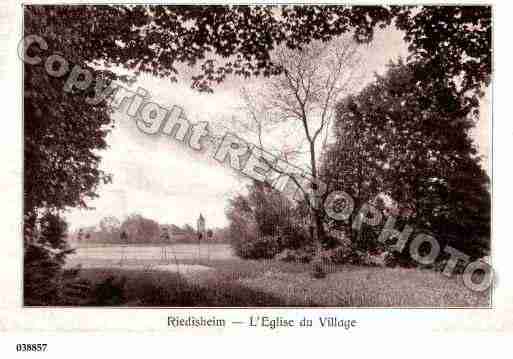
[294, 237]
[262, 224]
[249, 242]
[110, 291]
[338, 254]
[379, 260]
[45, 250]
[153, 294]
[41, 276]
[319, 270]
[301, 255]
[242, 238]
[440, 265]
[265, 247]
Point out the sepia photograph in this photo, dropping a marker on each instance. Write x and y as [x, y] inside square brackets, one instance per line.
[257, 156]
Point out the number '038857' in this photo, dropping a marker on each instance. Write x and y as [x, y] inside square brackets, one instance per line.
[31, 347]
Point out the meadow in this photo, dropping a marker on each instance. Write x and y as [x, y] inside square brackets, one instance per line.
[228, 281]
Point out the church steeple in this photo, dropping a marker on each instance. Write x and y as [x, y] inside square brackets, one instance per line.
[201, 224]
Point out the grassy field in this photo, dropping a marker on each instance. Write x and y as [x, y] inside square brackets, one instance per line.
[242, 283]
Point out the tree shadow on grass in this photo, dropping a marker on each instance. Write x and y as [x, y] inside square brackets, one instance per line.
[136, 288]
[228, 295]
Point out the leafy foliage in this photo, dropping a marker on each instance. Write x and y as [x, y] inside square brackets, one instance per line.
[109, 292]
[416, 149]
[450, 44]
[301, 255]
[45, 250]
[263, 223]
[164, 236]
[140, 229]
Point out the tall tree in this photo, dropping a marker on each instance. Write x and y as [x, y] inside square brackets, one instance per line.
[140, 229]
[110, 224]
[418, 151]
[353, 163]
[301, 101]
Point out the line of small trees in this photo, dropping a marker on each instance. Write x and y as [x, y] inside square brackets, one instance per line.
[137, 229]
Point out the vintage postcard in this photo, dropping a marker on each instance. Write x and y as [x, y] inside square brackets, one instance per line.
[269, 159]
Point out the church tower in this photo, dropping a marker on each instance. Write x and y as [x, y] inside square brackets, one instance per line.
[201, 227]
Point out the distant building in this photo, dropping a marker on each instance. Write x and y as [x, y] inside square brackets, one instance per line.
[201, 227]
[176, 234]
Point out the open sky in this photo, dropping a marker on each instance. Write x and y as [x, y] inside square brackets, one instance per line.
[160, 178]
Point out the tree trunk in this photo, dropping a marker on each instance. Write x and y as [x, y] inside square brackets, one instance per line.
[318, 229]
